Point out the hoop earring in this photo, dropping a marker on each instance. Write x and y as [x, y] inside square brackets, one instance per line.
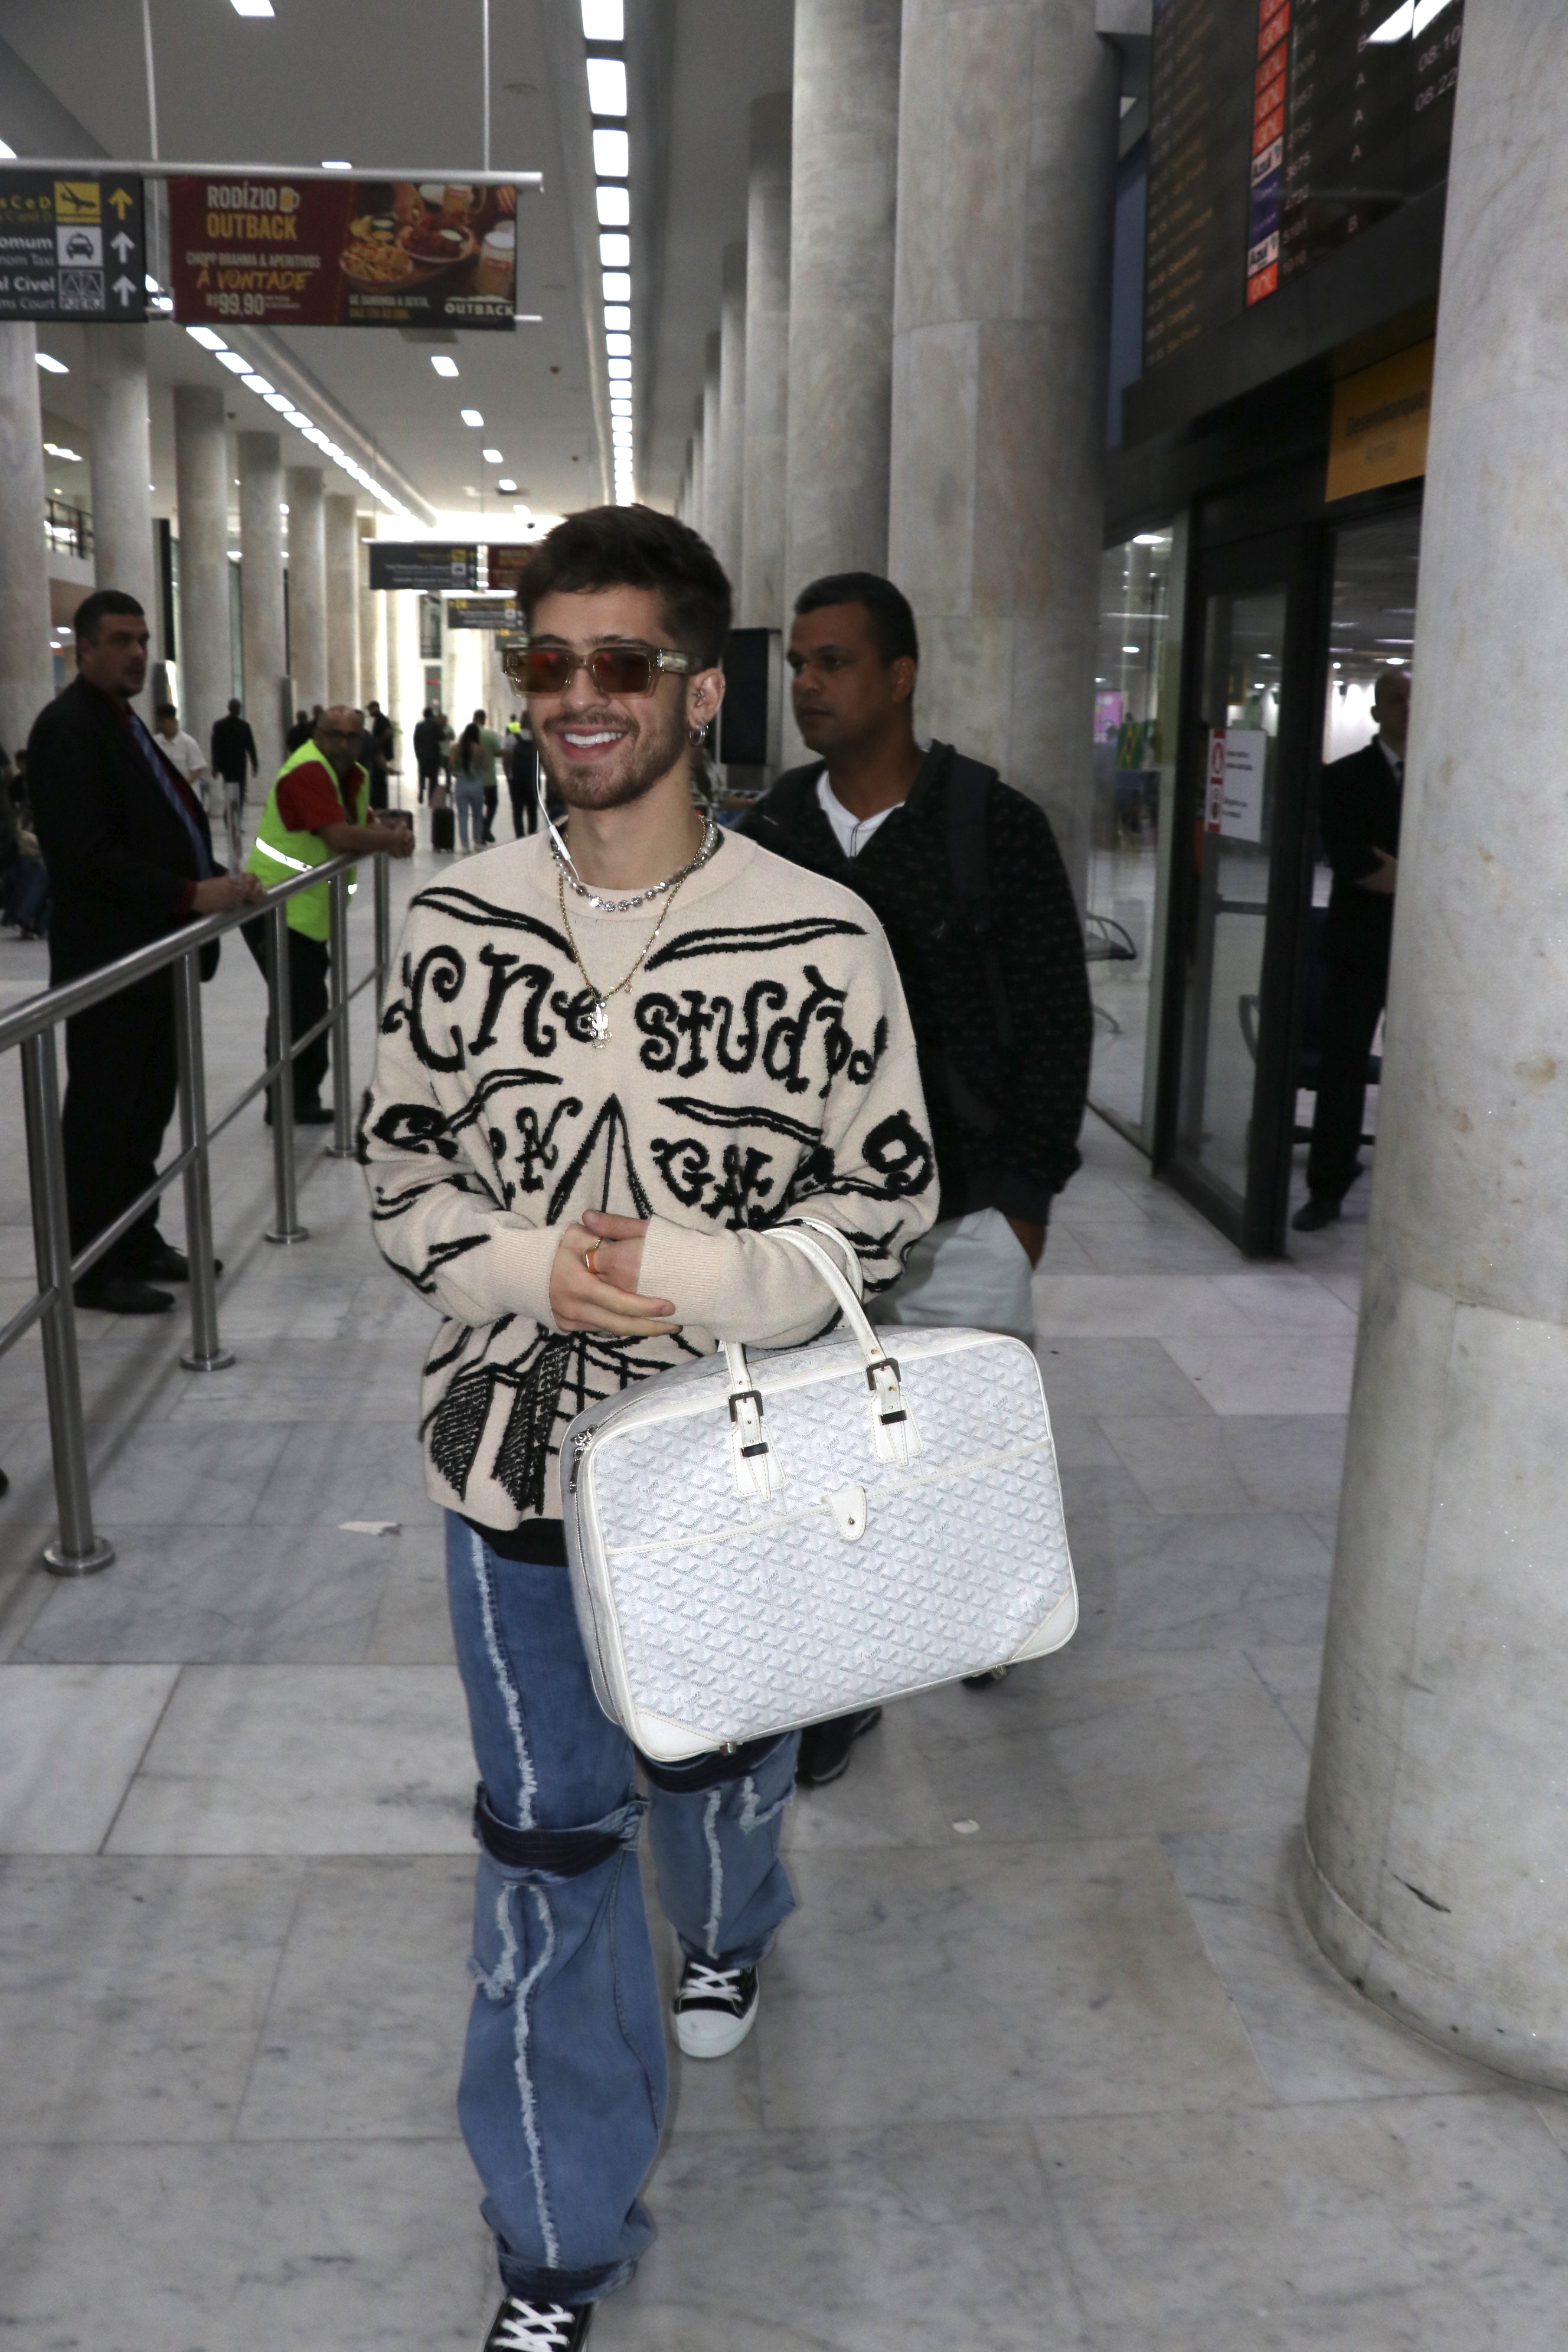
[698, 734]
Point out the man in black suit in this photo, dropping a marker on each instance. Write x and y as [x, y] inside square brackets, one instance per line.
[1359, 817]
[130, 854]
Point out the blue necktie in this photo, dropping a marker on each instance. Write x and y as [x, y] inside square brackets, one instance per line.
[171, 792]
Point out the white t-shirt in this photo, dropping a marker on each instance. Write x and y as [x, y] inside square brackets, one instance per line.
[184, 752]
[853, 832]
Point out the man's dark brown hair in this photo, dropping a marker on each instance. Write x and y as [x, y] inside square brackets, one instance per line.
[634, 547]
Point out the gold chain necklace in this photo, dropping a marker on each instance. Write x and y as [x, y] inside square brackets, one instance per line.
[599, 1019]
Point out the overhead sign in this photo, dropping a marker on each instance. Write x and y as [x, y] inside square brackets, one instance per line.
[1380, 416]
[1237, 767]
[397, 563]
[481, 613]
[505, 564]
[343, 253]
[71, 248]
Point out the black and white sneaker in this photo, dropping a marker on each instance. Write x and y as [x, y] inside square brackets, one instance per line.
[715, 2009]
[519, 2326]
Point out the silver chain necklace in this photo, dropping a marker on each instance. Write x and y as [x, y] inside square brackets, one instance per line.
[711, 836]
[599, 1019]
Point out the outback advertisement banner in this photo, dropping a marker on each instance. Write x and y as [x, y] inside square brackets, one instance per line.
[349, 253]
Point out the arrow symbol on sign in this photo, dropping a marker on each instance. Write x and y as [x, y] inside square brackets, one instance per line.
[124, 288]
[120, 202]
[122, 246]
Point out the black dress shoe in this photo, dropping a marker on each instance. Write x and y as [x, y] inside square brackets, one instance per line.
[169, 1264]
[825, 1747]
[121, 1294]
[313, 1115]
[1320, 1211]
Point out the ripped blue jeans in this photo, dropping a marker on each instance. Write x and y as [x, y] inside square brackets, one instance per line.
[562, 2094]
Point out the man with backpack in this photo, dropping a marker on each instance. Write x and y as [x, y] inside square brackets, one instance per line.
[967, 881]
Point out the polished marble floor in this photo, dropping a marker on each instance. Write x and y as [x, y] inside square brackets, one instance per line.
[1046, 2059]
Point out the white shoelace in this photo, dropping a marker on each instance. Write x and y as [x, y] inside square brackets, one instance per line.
[531, 2327]
[704, 1983]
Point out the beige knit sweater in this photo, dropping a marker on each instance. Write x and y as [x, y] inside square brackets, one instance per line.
[760, 1066]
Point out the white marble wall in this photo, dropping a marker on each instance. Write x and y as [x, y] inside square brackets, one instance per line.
[27, 674]
[762, 599]
[1436, 1820]
[261, 596]
[202, 482]
[732, 409]
[119, 458]
[342, 601]
[1007, 163]
[713, 499]
[307, 584]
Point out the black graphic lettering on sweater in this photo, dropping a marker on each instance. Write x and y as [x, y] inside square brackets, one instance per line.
[735, 1192]
[464, 907]
[707, 1114]
[753, 939]
[507, 972]
[669, 1022]
[537, 1147]
[415, 1127]
[440, 972]
[604, 1158]
[443, 1255]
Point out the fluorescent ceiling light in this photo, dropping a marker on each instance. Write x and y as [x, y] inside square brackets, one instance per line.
[619, 346]
[443, 363]
[492, 457]
[336, 163]
[607, 86]
[618, 314]
[604, 20]
[205, 337]
[616, 252]
[1397, 27]
[256, 384]
[619, 369]
[611, 154]
[253, 7]
[297, 419]
[233, 362]
[6, 149]
[471, 417]
[1426, 10]
[528, 318]
[280, 402]
[614, 205]
[55, 367]
[618, 285]
[506, 484]
[520, 508]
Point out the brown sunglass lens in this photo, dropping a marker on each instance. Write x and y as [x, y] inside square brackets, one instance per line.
[546, 671]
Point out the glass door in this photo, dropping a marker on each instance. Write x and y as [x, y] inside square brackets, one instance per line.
[1227, 1109]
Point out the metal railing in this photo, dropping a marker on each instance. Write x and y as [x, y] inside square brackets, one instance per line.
[79, 1551]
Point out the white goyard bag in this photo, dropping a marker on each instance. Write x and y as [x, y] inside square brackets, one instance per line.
[765, 1539]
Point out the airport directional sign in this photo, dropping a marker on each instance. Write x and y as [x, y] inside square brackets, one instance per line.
[72, 248]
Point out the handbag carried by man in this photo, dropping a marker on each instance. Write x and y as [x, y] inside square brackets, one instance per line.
[766, 1540]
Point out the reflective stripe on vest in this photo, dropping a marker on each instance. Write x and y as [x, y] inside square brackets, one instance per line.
[276, 845]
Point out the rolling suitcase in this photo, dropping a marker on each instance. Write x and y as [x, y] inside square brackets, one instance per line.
[443, 829]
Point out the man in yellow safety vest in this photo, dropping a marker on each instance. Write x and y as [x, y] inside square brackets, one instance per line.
[316, 811]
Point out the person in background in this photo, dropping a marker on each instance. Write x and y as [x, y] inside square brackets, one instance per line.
[521, 768]
[966, 877]
[491, 748]
[427, 750]
[233, 762]
[130, 858]
[185, 752]
[1358, 810]
[469, 781]
[24, 876]
[381, 734]
[317, 809]
[298, 733]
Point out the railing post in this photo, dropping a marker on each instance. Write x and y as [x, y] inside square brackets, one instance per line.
[286, 1226]
[206, 1355]
[382, 932]
[342, 1145]
[79, 1551]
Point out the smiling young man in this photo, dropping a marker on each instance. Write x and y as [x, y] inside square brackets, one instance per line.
[607, 1069]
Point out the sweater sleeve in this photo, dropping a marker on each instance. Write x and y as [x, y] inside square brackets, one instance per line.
[871, 1176]
[435, 1220]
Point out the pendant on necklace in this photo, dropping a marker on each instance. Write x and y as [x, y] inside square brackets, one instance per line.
[599, 1020]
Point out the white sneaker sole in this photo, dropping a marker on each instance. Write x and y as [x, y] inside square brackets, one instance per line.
[709, 2033]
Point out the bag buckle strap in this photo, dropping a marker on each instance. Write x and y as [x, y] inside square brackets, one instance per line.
[746, 1414]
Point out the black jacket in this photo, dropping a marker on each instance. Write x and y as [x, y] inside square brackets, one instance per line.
[1005, 1114]
[428, 738]
[120, 860]
[232, 746]
[1358, 813]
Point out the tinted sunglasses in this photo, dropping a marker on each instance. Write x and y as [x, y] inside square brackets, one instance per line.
[614, 669]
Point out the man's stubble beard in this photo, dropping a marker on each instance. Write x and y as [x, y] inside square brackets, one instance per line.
[655, 754]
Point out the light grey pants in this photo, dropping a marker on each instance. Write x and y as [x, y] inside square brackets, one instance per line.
[968, 1270]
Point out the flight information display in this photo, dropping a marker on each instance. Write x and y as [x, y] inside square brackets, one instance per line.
[1345, 112]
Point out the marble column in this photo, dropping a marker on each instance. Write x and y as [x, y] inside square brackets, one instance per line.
[261, 595]
[1006, 177]
[120, 462]
[342, 601]
[1434, 1872]
[844, 187]
[371, 648]
[394, 704]
[202, 482]
[307, 584]
[767, 363]
[731, 408]
[26, 667]
[713, 479]
[697, 518]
